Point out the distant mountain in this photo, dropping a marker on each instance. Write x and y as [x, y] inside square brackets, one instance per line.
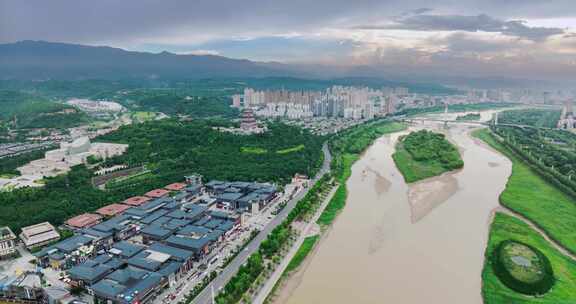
[49, 60]
[41, 60]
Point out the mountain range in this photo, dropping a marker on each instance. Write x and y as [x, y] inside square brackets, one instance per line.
[42, 60]
[50, 60]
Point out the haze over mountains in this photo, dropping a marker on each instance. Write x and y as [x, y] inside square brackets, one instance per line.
[39, 60]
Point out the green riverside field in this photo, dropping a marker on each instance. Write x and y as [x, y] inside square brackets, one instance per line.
[506, 227]
[531, 196]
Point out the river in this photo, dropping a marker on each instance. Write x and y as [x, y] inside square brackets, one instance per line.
[397, 243]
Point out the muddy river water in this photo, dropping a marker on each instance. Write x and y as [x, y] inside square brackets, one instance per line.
[402, 244]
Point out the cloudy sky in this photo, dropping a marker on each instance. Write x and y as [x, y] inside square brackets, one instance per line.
[518, 38]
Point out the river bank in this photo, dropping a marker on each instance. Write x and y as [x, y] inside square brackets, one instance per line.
[394, 238]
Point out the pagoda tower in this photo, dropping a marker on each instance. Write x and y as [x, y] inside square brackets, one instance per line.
[248, 122]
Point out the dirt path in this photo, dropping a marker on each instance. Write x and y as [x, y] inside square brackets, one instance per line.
[543, 233]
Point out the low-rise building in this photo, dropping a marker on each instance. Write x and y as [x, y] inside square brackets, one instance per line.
[129, 285]
[84, 220]
[39, 235]
[67, 253]
[24, 288]
[136, 200]
[175, 187]
[157, 193]
[112, 210]
[7, 243]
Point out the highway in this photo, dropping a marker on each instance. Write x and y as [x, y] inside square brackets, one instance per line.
[205, 297]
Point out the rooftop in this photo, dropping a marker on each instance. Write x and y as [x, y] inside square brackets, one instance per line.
[175, 187]
[157, 232]
[136, 200]
[176, 253]
[73, 243]
[188, 243]
[126, 249]
[37, 229]
[39, 233]
[6, 233]
[112, 209]
[157, 193]
[84, 220]
[125, 285]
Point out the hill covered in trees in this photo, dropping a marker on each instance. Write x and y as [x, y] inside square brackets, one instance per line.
[34, 111]
[170, 150]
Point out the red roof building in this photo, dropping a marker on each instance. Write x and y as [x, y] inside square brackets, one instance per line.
[112, 209]
[136, 200]
[175, 187]
[157, 193]
[84, 220]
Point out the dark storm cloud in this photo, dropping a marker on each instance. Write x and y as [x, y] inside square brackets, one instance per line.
[484, 23]
[127, 20]
[305, 30]
[111, 20]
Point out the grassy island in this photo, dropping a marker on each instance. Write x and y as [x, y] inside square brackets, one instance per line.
[424, 154]
[468, 117]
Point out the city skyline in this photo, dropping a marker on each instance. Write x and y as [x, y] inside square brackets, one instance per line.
[526, 39]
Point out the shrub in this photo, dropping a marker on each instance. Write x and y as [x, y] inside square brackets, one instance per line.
[538, 287]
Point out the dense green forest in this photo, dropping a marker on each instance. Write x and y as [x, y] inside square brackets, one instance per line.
[180, 102]
[171, 149]
[551, 151]
[531, 117]
[424, 154]
[35, 111]
[174, 148]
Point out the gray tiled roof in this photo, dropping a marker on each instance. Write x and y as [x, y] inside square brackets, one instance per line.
[176, 253]
[188, 243]
[73, 243]
[127, 249]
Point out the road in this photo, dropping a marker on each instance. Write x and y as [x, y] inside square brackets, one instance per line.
[205, 297]
[271, 282]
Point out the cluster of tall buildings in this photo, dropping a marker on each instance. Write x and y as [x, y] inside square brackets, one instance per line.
[567, 120]
[365, 103]
[337, 101]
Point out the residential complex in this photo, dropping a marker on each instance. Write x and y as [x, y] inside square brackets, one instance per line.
[356, 103]
[337, 101]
